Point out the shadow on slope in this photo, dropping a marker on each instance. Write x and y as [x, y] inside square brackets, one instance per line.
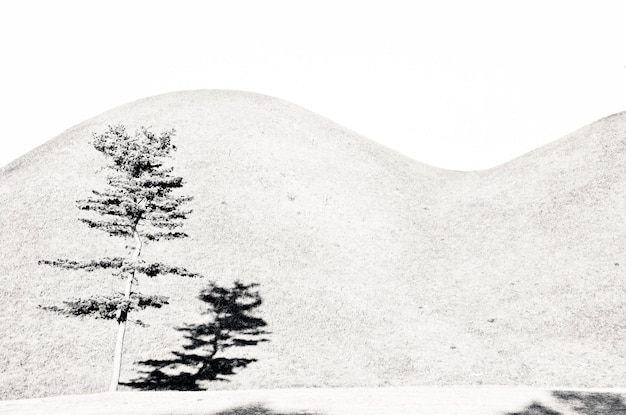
[593, 403]
[535, 409]
[583, 403]
[232, 325]
[259, 409]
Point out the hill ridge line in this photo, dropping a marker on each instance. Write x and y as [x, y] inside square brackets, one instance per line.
[32, 154]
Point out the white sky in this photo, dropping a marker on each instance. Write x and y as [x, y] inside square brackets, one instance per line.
[456, 84]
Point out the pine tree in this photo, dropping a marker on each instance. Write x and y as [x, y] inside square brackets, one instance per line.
[138, 203]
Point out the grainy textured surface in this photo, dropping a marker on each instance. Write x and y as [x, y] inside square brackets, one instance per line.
[340, 401]
[374, 269]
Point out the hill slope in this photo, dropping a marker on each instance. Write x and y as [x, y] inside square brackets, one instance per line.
[374, 269]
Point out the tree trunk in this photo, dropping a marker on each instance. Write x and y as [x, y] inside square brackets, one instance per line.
[122, 317]
[207, 364]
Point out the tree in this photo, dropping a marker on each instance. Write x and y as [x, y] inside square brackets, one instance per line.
[232, 322]
[138, 203]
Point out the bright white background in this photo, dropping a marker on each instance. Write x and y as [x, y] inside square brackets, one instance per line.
[457, 84]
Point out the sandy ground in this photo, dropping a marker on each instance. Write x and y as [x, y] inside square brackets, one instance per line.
[466, 400]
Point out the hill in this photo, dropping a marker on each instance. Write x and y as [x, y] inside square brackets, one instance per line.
[374, 269]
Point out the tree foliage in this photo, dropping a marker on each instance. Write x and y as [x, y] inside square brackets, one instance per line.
[120, 266]
[137, 202]
[139, 196]
[107, 306]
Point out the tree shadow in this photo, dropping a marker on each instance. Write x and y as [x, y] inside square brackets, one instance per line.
[593, 403]
[535, 408]
[232, 324]
[259, 409]
[583, 403]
